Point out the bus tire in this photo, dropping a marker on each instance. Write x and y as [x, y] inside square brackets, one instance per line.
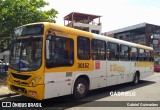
[81, 88]
[136, 79]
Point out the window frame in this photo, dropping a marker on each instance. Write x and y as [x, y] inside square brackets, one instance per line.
[149, 55]
[54, 66]
[137, 58]
[124, 55]
[108, 53]
[139, 55]
[152, 56]
[85, 49]
[92, 51]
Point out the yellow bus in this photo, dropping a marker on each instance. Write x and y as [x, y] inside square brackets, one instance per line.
[48, 60]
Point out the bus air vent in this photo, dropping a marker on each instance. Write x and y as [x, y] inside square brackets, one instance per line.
[20, 76]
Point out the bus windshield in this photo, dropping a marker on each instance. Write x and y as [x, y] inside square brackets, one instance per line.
[29, 30]
[26, 54]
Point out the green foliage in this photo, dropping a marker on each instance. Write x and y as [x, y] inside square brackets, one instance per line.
[14, 13]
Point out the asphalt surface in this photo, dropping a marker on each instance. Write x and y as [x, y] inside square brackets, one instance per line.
[147, 90]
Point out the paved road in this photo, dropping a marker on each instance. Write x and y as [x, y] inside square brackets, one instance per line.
[147, 90]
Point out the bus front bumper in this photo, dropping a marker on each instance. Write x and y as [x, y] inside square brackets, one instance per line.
[36, 92]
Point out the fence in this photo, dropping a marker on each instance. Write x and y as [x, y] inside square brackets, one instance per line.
[3, 70]
[3, 73]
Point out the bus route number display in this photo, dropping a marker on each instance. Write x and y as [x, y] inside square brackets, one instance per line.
[83, 65]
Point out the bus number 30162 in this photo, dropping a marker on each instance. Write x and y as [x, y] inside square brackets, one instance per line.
[83, 65]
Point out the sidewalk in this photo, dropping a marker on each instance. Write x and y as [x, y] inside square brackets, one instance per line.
[4, 91]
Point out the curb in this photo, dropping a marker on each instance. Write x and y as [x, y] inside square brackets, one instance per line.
[8, 95]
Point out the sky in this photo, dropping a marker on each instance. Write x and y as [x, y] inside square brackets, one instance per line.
[115, 14]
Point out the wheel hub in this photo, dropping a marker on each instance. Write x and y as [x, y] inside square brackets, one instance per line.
[80, 88]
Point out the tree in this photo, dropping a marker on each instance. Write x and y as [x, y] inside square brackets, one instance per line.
[14, 13]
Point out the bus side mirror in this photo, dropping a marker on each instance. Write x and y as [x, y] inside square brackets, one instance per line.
[47, 49]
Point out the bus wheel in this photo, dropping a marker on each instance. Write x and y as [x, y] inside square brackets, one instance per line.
[80, 88]
[136, 79]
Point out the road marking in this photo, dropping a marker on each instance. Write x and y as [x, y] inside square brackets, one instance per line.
[15, 95]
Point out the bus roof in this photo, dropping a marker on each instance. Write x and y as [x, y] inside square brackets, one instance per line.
[88, 34]
[33, 24]
[110, 39]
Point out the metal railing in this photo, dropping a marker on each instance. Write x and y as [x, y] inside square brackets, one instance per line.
[3, 70]
[3, 73]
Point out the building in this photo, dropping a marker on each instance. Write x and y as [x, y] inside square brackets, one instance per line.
[140, 33]
[82, 21]
[143, 33]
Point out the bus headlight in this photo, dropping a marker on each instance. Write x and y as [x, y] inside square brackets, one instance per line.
[35, 81]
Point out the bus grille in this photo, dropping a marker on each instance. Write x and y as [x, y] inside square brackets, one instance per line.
[18, 76]
[19, 89]
[20, 83]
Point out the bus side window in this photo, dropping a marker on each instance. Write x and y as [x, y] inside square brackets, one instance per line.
[98, 49]
[60, 51]
[83, 48]
[141, 55]
[148, 55]
[108, 54]
[152, 58]
[124, 52]
[108, 51]
[112, 51]
[134, 54]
